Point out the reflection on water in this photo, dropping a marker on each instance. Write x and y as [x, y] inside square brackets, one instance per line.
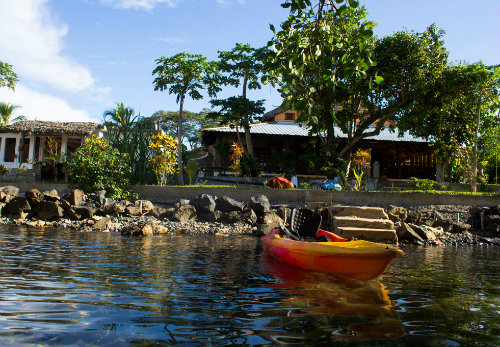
[66, 288]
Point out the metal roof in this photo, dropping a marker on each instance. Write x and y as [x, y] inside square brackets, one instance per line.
[295, 129]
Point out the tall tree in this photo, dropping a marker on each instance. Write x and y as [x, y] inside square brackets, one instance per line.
[6, 110]
[329, 66]
[243, 66]
[185, 75]
[119, 122]
[8, 77]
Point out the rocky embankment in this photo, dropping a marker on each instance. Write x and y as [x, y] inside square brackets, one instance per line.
[435, 225]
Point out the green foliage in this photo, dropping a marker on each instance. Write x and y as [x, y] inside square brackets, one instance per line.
[3, 170]
[96, 165]
[131, 135]
[285, 159]
[6, 110]
[163, 159]
[8, 77]
[304, 185]
[185, 75]
[223, 149]
[249, 167]
[191, 169]
[329, 66]
[426, 184]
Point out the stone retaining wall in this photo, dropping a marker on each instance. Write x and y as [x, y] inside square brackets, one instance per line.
[170, 194]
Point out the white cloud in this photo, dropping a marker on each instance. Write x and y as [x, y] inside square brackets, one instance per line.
[172, 40]
[36, 105]
[225, 3]
[146, 5]
[32, 42]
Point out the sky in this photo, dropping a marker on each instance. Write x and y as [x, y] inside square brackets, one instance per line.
[76, 58]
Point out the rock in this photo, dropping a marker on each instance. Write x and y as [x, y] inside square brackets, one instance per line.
[185, 213]
[51, 195]
[396, 213]
[159, 229]
[71, 214]
[458, 227]
[249, 217]
[133, 211]
[2, 206]
[184, 202]
[76, 197]
[413, 217]
[425, 232]
[114, 208]
[17, 205]
[48, 210]
[227, 204]
[141, 228]
[446, 225]
[85, 211]
[145, 205]
[204, 203]
[492, 228]
[273, 220]
[284, 213]
[102, 223]
[260, 205]
[368, 223]
[406, 233]
[98, 197]
[34, 197]
[10, 190]
[214, 216]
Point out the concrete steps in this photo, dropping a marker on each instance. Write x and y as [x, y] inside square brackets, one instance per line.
[363, 223]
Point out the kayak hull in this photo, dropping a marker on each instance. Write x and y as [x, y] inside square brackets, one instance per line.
[361, 260]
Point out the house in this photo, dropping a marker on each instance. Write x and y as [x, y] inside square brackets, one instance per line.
[393, 155]
[24, 143]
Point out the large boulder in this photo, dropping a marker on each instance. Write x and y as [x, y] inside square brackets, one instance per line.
[102, 223]
[427, 233]
[397, 213]
[145, 206]
[51, 195]
[76, 197]
[10, 190]
[85, 211]
[114, 208]
[48, 210]
[17, 205]
[406, 233]
[98, 197]
[413, 217]
[204, 203]
[142, 228]
[34, 196]
[133, 211]
[184, 213]
[227, 204]
[260, 204]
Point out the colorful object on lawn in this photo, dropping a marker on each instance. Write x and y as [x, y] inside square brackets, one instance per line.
[280, 183]
[361, 260]
[331, 185]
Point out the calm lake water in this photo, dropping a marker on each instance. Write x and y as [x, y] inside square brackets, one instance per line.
[66, 288]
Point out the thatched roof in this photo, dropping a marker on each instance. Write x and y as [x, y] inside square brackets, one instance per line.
[270, 115]
[46, 128]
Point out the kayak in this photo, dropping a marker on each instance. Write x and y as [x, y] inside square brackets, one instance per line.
[361, 260]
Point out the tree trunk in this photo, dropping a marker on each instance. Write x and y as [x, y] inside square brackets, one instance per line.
[180, 177]
[248, 136]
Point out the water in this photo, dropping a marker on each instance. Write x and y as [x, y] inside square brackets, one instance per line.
[64, 288]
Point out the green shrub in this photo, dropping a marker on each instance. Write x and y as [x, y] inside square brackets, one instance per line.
[95, 165]
[426, 184]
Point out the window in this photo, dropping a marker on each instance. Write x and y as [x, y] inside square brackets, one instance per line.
[289, 116]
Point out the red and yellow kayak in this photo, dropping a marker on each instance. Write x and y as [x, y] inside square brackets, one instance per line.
[280, 183]
[361, 260]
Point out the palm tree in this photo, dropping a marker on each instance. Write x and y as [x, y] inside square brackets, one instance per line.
[6, 110]
[120, 123]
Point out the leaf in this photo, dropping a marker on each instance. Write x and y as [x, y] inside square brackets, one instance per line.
[379, 80]
[272, 28]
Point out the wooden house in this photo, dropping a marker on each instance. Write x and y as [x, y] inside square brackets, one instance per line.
[393, 155]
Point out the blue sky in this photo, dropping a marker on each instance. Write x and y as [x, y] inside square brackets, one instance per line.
[76, 58]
